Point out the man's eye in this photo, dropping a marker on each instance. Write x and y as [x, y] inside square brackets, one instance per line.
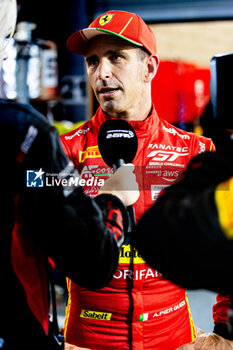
[92, 63]
[115, 57]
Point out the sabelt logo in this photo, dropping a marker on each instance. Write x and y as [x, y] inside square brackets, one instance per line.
[95, 315]
[90, 152]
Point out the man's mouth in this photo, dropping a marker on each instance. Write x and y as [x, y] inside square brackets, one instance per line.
[108, 91]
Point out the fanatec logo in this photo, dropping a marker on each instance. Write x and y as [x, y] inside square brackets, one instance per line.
[168, 156]
[169, 153]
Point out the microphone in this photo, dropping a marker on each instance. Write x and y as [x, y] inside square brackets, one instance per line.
[117, 142]
[118, 145]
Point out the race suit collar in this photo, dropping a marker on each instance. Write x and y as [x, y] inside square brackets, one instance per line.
[142, 128]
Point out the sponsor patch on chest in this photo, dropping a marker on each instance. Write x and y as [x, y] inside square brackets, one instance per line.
[95, 315]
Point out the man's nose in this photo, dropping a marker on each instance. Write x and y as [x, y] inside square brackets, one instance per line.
[104, 69]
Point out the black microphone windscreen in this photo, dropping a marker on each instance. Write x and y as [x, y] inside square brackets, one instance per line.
[117, 140]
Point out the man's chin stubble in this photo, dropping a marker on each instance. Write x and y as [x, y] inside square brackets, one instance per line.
[109, 107]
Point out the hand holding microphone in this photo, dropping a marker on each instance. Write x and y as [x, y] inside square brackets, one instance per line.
[123, 184]
[118, 145]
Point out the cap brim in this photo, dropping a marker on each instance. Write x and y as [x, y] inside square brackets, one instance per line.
[78, 42]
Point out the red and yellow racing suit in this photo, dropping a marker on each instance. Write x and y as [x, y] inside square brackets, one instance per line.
[139, 309]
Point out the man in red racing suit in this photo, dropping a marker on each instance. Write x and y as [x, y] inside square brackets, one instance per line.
[139, 309]
[138, 305]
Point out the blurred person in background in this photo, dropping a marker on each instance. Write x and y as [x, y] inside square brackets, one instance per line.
[139, 309]
[56, 222]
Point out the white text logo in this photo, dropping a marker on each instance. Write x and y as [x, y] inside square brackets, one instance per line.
[168, 156]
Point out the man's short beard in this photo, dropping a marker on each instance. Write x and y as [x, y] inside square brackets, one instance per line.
[109, 107]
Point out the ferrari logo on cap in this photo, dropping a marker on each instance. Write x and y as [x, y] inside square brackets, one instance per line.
[105, 19]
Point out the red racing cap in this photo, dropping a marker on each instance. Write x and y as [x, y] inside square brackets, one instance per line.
[125, 25]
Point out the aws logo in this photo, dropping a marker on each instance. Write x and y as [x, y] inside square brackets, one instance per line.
[105, 19]
[90, 152]
[170, 175]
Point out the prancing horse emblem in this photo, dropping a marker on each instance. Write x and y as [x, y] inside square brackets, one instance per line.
[105, 19]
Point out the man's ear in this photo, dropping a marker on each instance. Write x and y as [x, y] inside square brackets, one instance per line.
[152, 66]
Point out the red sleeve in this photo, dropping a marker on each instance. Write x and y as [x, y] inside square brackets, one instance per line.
[209, 145]
[221, 308]
[212, 146]
[202, 144]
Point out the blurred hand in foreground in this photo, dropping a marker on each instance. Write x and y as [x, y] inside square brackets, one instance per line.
[208, 341]
[122, 184]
